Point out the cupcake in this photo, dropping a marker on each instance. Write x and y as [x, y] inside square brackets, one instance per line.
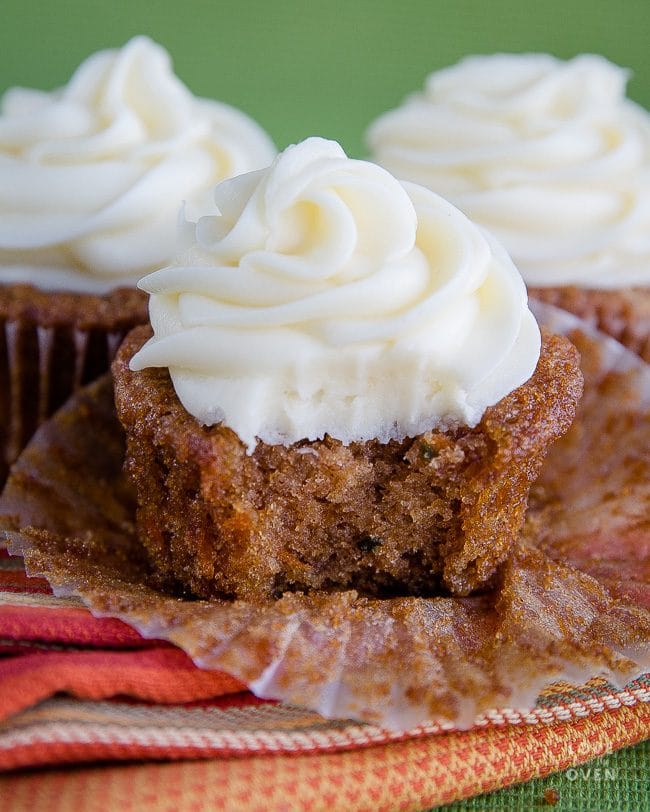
[92, 177]
[344, 389]
[553, 159]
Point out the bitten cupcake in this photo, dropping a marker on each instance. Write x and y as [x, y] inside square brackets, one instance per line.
[343, 390]
[92, 177]
[553, 159]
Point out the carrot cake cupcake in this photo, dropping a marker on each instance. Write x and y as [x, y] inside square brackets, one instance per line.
[554, 159]
[92, 177]
[344, 389]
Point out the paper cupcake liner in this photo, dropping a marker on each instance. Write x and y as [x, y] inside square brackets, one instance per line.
[51, 344]
[571, 603]
[40, 368]
[623, 314]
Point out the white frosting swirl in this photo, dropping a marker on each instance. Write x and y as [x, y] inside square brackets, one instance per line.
[92, 176]
[549, 155]
[327, 297]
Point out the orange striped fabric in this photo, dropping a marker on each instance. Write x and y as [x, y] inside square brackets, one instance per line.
[77, 689]
[411, 775]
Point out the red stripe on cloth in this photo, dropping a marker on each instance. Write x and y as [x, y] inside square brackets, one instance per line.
[413, 774]
[238, 700]
[17, 581]
[165, 675]
[67, 625]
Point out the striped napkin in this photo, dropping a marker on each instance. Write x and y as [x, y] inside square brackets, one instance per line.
[76, 689]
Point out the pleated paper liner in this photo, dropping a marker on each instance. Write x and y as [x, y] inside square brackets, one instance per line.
[571, 603]
[623, 314]
[50, 345]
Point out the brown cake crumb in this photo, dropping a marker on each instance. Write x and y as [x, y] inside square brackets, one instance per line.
[434, 514]
[623, 314]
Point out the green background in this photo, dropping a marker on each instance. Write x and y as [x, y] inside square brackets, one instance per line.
[325, 68]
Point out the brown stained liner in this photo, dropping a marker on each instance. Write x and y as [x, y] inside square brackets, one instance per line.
[50, 345]
[602, 530]
[399, 661]
[623, 314]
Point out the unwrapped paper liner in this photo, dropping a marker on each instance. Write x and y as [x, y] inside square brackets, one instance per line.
[571, 603]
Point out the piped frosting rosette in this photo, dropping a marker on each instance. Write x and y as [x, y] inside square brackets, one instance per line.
[571, 602]
[328, 297]
[92, 175]
[549, 155]
[92, 178]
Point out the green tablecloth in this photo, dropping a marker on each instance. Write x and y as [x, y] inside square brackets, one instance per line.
[618, 782]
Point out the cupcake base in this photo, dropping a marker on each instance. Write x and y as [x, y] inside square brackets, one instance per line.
[622, 314]
[431, 515]
[572, 600]
[50, 345]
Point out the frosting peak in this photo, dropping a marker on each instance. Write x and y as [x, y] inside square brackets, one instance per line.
[328, 297]
[549, 155]
[92, 175]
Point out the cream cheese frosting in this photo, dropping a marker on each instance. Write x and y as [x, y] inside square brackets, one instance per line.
[549, 155]
[92, 176]
[326, 297]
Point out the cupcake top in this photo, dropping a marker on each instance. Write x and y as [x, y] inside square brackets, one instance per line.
[92, 175]
[549, 155]
[326, 297]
